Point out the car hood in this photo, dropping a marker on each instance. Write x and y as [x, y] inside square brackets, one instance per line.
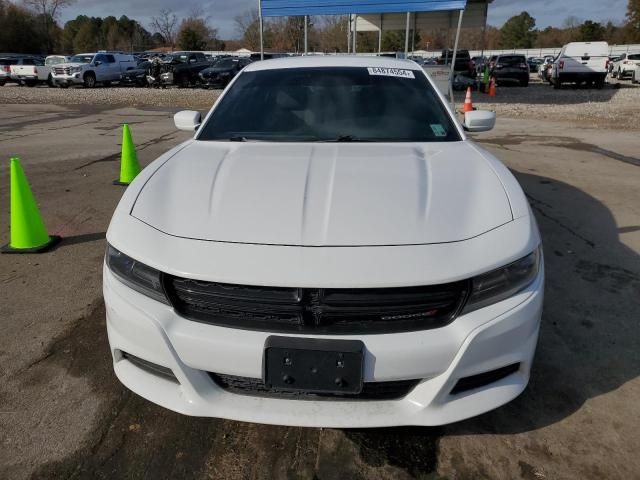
[70, 64]
[327, 194]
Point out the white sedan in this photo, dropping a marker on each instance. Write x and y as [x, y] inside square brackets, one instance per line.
[329, 250]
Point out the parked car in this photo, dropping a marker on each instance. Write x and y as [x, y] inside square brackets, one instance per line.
[511, 69]
[88, 69]
[24, 70]
[5, 70]
[463, 61]
[544, 72]
[268, 56]
[223, 71]
[136, 77]
[182, 68]
[31, 71]
[581, 62]
[625, 65]
[314, 256]
[534, 64]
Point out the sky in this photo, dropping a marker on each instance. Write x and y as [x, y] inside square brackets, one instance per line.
[222, 12]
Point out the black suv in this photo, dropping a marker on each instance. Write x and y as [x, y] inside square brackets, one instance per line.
[223, 71]
[463, 61]
[511, 68]
[182, 68]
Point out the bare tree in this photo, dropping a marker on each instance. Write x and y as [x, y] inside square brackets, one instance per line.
[248, 26]
[49, 11]
[166, 24]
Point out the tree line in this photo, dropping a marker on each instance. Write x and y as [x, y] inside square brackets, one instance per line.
[32, 27]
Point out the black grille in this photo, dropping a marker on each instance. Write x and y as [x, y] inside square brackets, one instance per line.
[317, 311]
[370, 391]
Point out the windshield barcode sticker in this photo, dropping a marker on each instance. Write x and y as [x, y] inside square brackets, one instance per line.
[391, 72]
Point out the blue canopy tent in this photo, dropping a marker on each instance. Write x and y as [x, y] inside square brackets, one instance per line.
[283, 8]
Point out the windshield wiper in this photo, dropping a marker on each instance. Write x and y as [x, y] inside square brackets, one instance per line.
[346, 138]
[242, 138]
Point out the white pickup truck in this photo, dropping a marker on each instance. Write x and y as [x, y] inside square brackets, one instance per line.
[90, 68]
[31, 71]
[581, 62]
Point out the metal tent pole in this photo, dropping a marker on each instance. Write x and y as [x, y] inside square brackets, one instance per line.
[306, 35]
[406, 36]
[380, 35]
[413, 34]
[453, 59]
[261, 27]
[355, 34]
[349, 35]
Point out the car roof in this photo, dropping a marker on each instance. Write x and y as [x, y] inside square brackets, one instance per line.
[331, 61]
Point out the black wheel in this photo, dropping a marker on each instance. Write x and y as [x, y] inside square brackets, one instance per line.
[30, 83]
[50, 81]
[89, 80]
[63, 85]
[2, 84]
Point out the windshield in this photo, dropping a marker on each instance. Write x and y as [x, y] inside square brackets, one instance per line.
[81, 59]
[331, 104]
[54, 60]
[178, 57]
[225, 63]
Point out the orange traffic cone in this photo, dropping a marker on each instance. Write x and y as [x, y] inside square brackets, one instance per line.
[468, 105]
[493, 87]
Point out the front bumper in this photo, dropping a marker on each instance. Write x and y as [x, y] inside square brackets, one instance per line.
[491, 338]
[71, 79]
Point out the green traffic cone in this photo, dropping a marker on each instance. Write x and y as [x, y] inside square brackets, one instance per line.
[28, 233]
[129, 166]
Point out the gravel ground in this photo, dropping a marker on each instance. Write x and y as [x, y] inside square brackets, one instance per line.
[615, 106]
[196, 98]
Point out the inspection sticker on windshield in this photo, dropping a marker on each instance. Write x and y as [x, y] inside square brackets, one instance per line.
[391, 72]
[438, 130]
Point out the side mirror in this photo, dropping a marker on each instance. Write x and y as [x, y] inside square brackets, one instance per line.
[479, 121]
[97, 63]
[188, 120]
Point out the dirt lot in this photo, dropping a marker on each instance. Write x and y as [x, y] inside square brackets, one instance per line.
[63, 414]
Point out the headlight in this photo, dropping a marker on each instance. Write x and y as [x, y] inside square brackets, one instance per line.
[136, 275]
[500, 284]
[75, 69]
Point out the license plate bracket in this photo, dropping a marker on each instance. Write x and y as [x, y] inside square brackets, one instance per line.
[313, 365]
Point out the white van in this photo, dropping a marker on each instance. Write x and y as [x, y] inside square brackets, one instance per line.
[581, 62]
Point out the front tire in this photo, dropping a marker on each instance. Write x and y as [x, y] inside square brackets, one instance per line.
[50, 81]
[89, 80]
